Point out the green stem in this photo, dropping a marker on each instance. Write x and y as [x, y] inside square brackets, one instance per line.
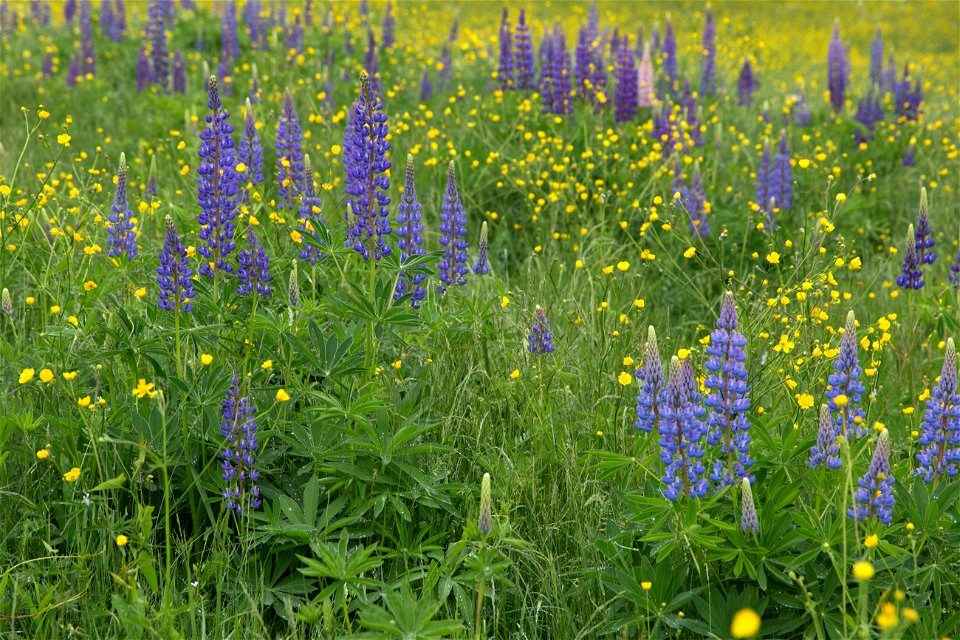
[371, 356]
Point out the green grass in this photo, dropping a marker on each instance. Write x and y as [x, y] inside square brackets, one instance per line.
[371, 472]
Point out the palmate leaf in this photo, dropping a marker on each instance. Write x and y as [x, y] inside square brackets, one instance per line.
[341, 566]
[405, 615]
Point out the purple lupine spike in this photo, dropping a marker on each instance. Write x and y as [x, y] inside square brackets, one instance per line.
[801, 113]
[940, 440]
[505, 63]
[106, 16]
[119, 20]
[593, 24]
[708, 77]
[144, 74]
[728, 401]
[179, 74]
[866, 112]
[152, 188]
[251, 16]
[482, 266]
[745, 85]
[250, 148]
[655, 42]
[923, 233]
[889, 75]
[907, 100]
[453, 236]
[625, 98]
[174, 275]
[583, 60]
[876, 59]
[254, 271]
[364, 10]
[689, 105]
[46, 70]
[749, 522]
[225, 73]
[426, 87]
[650, 377]
[912, 276]
[561, 73]
[540, 338]
[368, 182]
[388, 35]
[157, 35]
[874, 495]
[446, 71]
[294, 41]
[546, 73]
[308, 13]
[410, 233]
[909, 157]
[781, 178]
[73, 72]
[255, 94]
[121, 240]
[454, 31]
[695, 203]
[89, 65]
[681, 430]
[765, 192]
[837, 69]
[645, 81]
[289, 155]
[217, 183]
[523, 55]
[669, 65]
[845, 389]
[239, 429]
[69, 10]
[310, 211]
[230, 45]
[827, 449]
[615, 42]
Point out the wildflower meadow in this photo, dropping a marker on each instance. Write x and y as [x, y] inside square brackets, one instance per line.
[489, 319]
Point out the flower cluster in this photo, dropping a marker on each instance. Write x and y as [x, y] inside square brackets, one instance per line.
[827, 450]
[410, 232]
[254, 271]
[453, 230]
[650, 376]
[239, 430]
[940, 439]
[121, 240]
[540, 339]
[310, 208]
[250, 148]
[844, 387]
[174, 276]
[681, 430]
[289, 155]
[874, 494]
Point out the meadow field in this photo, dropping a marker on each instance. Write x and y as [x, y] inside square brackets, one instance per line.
[420, 320]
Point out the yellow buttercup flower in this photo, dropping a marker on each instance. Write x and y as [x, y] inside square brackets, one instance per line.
[144, 389]
[205, 359]
[863, 570]
[72, 475]
[122, 540]
[282, 395]
[26, 376]
[746, 623]
[624, 378]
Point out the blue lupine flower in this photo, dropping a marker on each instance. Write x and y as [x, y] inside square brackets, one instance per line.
[727, 400]
[582, 64]
[482, 266]
[157, 34]
[708, 78]
[88, 62]
[763, 179]
[826, 450]
[923, 234]
[782, 175]
[144, 73]
[505, 63]
[650, 377]
[250, 148]
[388, 36]
[106, 16]
[523, 56]
[907, 100]
[912, 276]
[225, 73]
[179, 74]
[239, 429]
[310, 209]
[869, 112]
[174, 276]
[453, 234]
[254, 271]
[289, 155]
[217, 187]
[561, 73]
[689, 106]
[801, 113]
[230, 45]
[545, 85]
[745, 85]
[367, 185]
[121, 237]
[152, 188]
[838, 70]
[69, 10]
[941, 424]
[954, 276]
[669, 64]
[874, 495]
[540, 337]
[426, 87]
[681, 429]
[410, 232]
[845, 384]
[626, 95]
[909, 157]
[749, 522]
[876, 59]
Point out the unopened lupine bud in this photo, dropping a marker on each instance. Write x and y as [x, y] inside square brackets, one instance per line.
[485, 520]
[748, 518]
[6, 304]
[482, 267]
[293, 291]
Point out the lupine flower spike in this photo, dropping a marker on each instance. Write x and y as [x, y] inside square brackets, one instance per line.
[923, 234]
[650, 376]
[482, 267]
[239, 429]
[368, 182]
[453, 230]
[174, 276]
[727, 400]
[681, 429]
[6, 302]
[254, 272]
[749, 522]
[293, 289]
[410, 232]
[844, 387]
[874, 494]
[250, 149]
[940, 439]
[912, 276]
[540, 337]
[310, 209]
[485, 520]
[121, 240]
[837, 69]
[217, 187]
[289, 155]
[826, 451]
